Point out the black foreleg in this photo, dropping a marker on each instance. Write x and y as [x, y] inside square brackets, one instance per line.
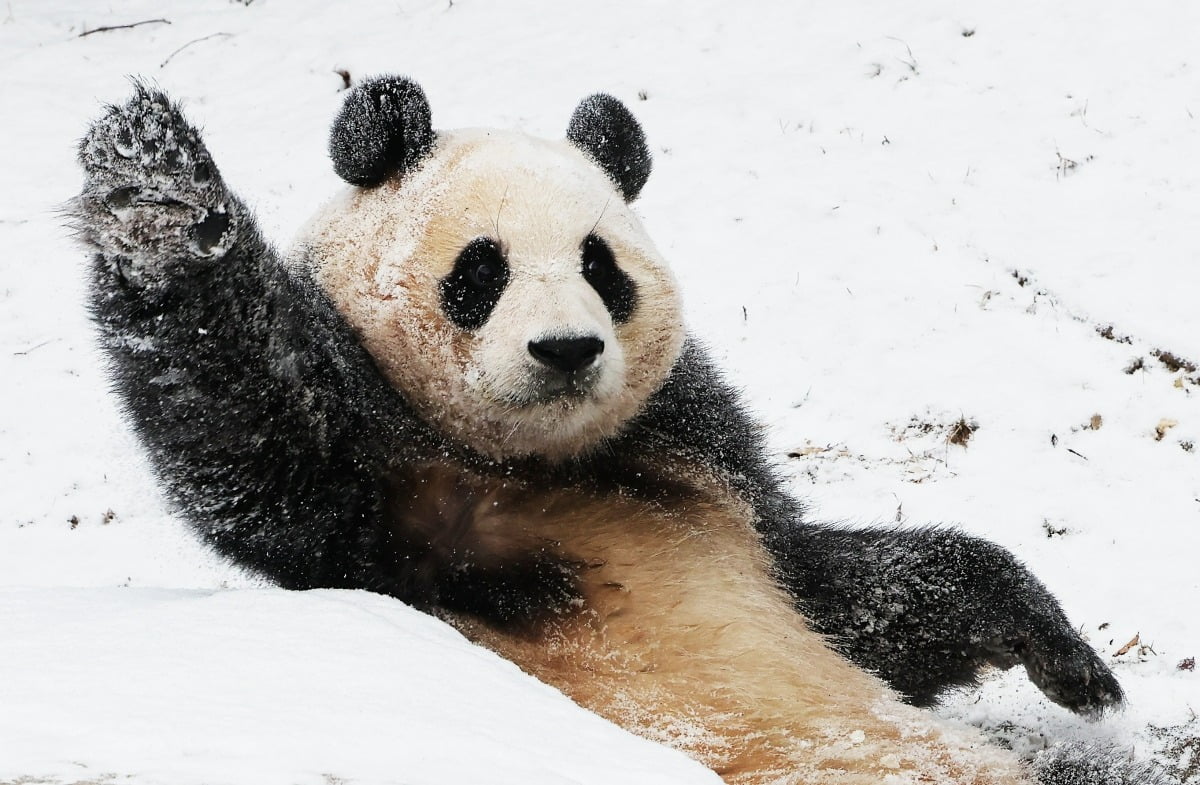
[268, 424]
[263, 416]
[927, 608]
[924, 609]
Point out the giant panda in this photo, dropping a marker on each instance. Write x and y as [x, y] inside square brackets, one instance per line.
[469, 387]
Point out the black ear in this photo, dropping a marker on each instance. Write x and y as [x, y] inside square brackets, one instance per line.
[604, 129]
[383, 129]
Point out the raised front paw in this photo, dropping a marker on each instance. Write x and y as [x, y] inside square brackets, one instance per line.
[151, 194]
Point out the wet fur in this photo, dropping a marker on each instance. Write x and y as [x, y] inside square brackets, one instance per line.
[656, 577]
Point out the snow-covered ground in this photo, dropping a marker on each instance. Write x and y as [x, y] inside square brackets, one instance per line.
[886, 218]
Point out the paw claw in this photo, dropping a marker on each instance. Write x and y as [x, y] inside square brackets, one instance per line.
[210, 231]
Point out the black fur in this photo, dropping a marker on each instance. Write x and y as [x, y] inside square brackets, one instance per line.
[604, 129]
[600, 270]
[934, 606]
[383, 128]
[926, 609]
[276, 437]
[267, 422]
[473, 287]
[1088, 765]
[434, 518]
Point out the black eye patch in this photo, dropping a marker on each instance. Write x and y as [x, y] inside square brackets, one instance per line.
[615, 288]
[472, 289]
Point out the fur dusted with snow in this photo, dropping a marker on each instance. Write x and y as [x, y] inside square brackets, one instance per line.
[648, 544]
[1082, 764]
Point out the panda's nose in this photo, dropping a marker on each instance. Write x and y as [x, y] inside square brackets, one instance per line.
[567, 354]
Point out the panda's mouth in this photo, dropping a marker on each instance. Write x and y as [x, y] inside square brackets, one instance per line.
[543, 386]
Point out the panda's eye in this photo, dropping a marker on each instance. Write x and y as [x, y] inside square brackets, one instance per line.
[600, 270]
[482, 263]
[484, 274]
[596, 265]
[472, 289]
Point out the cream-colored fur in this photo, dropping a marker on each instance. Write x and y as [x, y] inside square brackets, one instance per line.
[381, 253]
[683, 637]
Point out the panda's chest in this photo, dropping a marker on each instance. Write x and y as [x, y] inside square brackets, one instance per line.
[520, 554]
[660, 618]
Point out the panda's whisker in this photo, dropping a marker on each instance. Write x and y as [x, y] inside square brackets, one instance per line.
[600, 217]
[512, 431]
[500, 209]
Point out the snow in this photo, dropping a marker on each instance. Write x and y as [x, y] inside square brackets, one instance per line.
[270, 686]
[877, 212]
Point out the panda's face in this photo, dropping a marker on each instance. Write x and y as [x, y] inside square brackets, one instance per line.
[506, 288]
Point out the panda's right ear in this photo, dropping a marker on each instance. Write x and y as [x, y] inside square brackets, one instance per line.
[383, 129]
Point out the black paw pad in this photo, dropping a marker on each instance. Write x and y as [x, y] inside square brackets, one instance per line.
[383, 128]
[210, 231]
[147, 141]
[202, 173]
[123, 142]
[151, 190]
[122, 198]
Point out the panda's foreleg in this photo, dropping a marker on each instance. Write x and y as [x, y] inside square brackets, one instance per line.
[927, 608]
[262, 415]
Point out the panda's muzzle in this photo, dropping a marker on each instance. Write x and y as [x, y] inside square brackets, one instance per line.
[568, 355]
[564, 368]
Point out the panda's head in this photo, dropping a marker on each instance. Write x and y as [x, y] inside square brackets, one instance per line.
[501, 282]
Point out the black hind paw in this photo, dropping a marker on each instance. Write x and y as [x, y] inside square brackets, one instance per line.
[151, 193]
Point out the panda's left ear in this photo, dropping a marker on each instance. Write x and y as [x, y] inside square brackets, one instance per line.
[383, 129]
[606, 130]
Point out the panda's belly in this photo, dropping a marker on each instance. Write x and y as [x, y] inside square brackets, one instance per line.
[682, 636]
